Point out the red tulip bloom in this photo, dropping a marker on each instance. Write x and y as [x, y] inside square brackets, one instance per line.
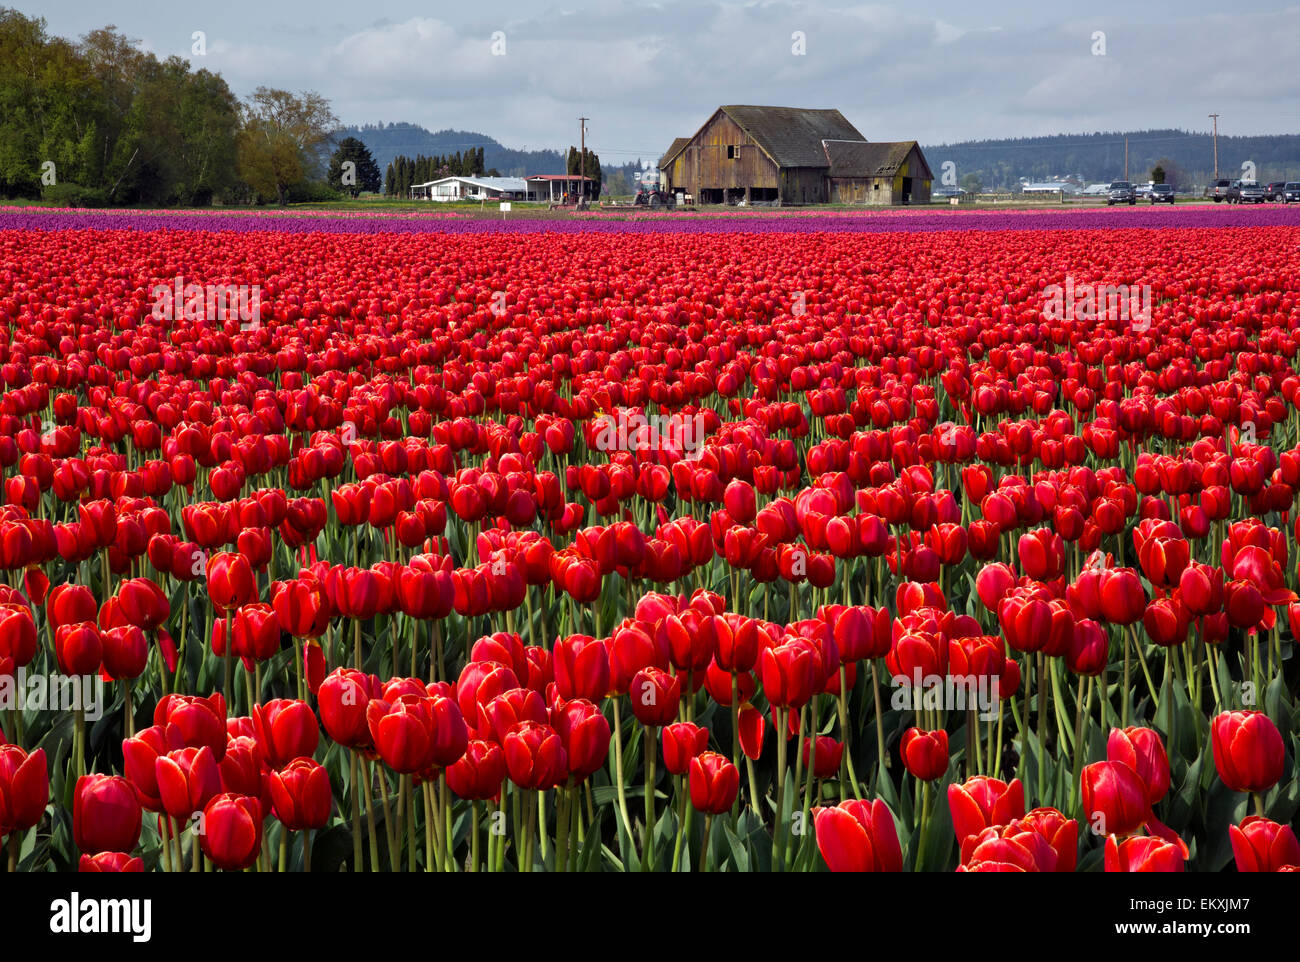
[200, 721]
[714, 783]
[343, 697]
[479, 772]
[17, 634]
[69, 604]
[286, 729]
[535, 757]
[187, 780]
[106, 814]
[581, 667]
[125, 652]
[24, 788]
[143, 603]
[1248, 750]
[1122, 599]
[1259, 845]
[682, 742]
[982, 801]
[826, 762]
[1142, 750]
[655, 696]
[585, 735]
[1008, 848]
[858, 836]
[1142, 853]
[110, 862]
[79, 648]
[230, 580]
[791, 672]
[232, 831]
[1114, 798]
[925, 754]
[302, 607]
[301, 795]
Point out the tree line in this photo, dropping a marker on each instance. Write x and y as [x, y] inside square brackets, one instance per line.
[404, 172]
[98, 121]
[1186, 156]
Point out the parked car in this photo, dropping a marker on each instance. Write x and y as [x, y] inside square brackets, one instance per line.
[1219, 190]
[1274, 190]
[1246, 192]
[1143, 190]
[1121, 192]
[1291, 193]
[1162, 194]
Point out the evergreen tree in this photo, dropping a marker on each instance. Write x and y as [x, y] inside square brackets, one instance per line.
[364, 173]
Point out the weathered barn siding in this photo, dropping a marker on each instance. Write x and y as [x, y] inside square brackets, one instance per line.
[722, 156]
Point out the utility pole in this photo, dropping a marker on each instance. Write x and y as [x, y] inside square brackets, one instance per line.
[1215, 118]
[582, 160]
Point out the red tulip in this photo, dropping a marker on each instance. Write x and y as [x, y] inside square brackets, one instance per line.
[925, 754]
[286, 729]
[232, 831]
[1114, 798]
[682, 742]
[714, 783]
[655, 696]
[585, 735]
[106, 814]
[1259, 845]
[982, 801]
[230, 581]
[535, 757]
[301, 794]
[24, 788]
[187, 780]
[857, 836]
[478, 773]
[1142, 750]
[110, 862]
[1142, 853]
[343, 698]
[1248, 750]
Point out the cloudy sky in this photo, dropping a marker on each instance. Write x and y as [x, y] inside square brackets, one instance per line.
[523, 71]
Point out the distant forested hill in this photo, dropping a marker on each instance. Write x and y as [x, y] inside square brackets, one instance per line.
[1188, 157]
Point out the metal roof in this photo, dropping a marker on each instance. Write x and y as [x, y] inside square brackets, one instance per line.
[491, 183]
[792, 136]
[555, 177]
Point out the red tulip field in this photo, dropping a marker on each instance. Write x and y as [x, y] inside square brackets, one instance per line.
[772, 544]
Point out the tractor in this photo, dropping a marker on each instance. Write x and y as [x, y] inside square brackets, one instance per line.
[652, 189]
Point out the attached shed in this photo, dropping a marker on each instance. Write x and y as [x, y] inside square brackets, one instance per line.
[877, 174]
[780, 155]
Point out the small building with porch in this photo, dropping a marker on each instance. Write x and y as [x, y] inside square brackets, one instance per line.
[557, 188]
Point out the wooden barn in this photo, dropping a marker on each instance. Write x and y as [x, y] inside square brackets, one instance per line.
[792, 155]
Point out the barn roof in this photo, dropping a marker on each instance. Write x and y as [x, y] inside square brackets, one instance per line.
[859, 158]
[792, 136]
[674, 149]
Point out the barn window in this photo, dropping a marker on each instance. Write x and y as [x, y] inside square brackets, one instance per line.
[732, 152]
